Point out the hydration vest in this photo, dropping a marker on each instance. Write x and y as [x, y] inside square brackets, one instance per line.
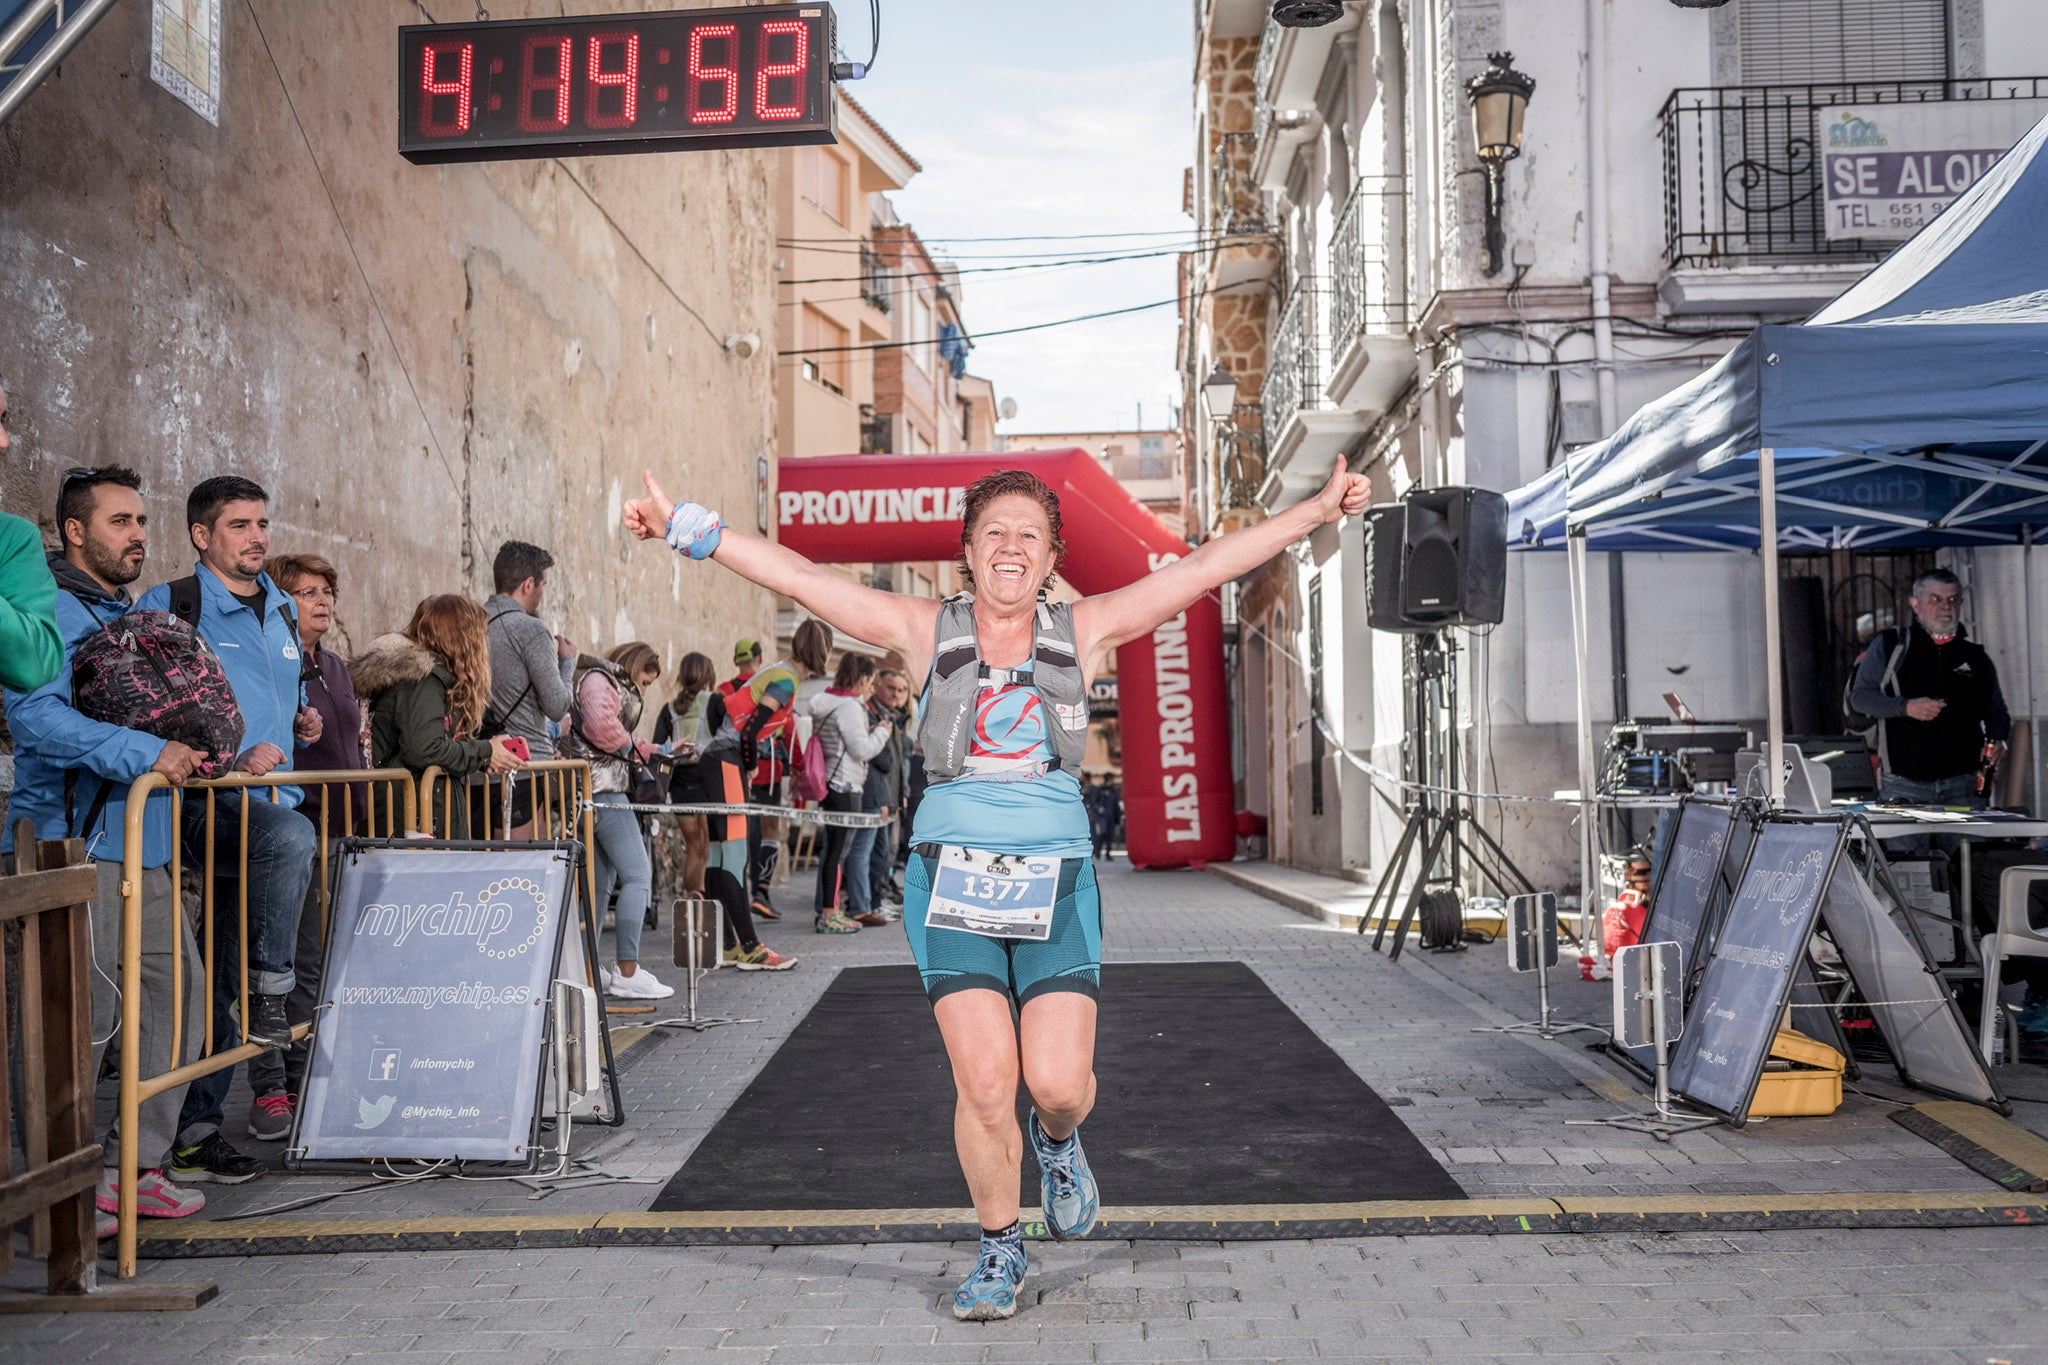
[946, 717]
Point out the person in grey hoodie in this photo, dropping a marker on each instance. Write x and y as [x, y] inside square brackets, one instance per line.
[840, 714]
[531, 666]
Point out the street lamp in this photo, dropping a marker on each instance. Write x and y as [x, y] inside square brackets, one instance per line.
[1219, 393]
[1499, 95]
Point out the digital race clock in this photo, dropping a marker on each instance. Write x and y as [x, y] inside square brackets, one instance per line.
[740, 77]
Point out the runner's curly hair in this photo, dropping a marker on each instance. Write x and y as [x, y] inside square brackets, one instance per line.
[986, 490]
[453, 629]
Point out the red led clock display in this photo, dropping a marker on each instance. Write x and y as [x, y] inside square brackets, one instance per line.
[753, 77]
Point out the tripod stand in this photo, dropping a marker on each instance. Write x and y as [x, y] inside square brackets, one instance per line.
[1439, 827]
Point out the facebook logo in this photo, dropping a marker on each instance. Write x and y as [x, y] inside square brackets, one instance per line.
[383, 1063]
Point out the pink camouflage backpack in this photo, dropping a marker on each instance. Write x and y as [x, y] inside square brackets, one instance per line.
[150, 671]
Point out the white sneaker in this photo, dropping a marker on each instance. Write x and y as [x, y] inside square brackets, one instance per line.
[608, 979]
[641, 985]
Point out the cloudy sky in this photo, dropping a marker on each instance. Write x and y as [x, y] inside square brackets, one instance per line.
[1048, 118]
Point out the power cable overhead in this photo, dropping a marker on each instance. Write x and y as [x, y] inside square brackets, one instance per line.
[1013, 331]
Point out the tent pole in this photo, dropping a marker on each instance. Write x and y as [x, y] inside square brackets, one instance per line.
[2033, 695]
[1589, 846]
[1774, 664]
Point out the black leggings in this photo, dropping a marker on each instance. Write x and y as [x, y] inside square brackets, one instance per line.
[739, 915]
[833, 859]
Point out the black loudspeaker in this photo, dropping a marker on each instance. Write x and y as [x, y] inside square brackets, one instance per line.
[1456, 569]
[1386, 529]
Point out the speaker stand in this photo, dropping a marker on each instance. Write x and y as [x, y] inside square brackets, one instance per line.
[1439, 827]
[1434, 831]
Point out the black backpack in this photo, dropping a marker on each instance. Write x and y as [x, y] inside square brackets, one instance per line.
[1893, 641]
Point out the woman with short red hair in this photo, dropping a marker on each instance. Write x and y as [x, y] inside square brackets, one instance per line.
[999, 895]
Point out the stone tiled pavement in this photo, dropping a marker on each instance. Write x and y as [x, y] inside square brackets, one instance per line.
[1491, 1105]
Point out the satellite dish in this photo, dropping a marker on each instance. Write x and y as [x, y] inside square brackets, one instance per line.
[1007, 410]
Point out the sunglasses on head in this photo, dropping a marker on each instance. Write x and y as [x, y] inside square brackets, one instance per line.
[75, 474]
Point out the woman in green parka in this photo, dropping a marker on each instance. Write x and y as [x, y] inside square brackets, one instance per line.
[426, 688]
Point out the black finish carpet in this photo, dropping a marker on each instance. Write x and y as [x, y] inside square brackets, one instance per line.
[1211, 1091]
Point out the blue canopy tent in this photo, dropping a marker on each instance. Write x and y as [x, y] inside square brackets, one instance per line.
[1911, 411]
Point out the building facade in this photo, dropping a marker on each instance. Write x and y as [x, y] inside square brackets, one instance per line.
[1666, 199]
[872, 345]
[418, 363]
[837, 292]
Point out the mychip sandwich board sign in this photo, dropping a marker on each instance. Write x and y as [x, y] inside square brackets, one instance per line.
[431, 1039]
[1750, 969]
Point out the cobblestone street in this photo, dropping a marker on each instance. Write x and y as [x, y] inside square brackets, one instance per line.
[1489, 1105]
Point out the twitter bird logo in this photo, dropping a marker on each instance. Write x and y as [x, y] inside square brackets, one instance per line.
[372, 1113]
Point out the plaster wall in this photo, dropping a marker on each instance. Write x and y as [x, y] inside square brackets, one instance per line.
[417, 362]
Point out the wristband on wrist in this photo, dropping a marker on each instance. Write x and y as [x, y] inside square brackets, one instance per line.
[693, 530]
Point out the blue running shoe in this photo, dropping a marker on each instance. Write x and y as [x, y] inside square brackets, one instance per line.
[2034, 1015]
[1065, 1183]
[991, 1291]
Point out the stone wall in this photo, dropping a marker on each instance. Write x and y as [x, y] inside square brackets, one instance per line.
[418, 362]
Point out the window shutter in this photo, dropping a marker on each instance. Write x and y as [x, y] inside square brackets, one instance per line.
[1801, 42]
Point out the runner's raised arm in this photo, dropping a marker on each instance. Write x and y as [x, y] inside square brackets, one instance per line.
[889, 620]
[1104, 622]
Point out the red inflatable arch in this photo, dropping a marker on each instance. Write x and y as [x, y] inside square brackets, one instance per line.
[1178, 801]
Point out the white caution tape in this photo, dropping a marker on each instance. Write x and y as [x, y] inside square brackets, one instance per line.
[840, 819]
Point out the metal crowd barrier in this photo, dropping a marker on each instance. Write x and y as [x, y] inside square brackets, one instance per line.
[400, 808]
[561, 806]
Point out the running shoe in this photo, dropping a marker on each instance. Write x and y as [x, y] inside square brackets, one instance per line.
[765, 959]
[1065, 1183]
[835, 923]
[270, 1116]
[641, 985]
[267, 1022]
[990, 1291]
[155, 1197]
[213, 1160]
[2034, 1015]
[732, 955]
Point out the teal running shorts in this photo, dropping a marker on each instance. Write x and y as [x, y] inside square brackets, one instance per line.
[954, 960]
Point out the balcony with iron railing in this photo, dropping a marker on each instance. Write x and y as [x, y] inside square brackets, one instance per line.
[1271, 39]
[1370, 353]
[876, 431]
[1743, 168]
[1303, 427]
[874, 278]
[1243, 244]
[1235, 201]
[1294, 364]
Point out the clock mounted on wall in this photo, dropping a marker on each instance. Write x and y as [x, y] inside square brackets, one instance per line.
[759, 76]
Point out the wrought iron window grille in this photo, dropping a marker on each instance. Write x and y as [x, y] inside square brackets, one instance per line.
[1742, 171]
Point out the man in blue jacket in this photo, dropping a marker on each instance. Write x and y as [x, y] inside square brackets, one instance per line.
[250, 623]
[62, 760]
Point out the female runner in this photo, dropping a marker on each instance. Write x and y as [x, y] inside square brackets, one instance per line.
[999, 894]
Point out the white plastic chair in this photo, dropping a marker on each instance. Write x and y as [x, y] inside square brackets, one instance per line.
[2016, 936]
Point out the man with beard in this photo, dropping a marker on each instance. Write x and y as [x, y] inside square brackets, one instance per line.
[61, 761]
[250, 623]
[1935, 695]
